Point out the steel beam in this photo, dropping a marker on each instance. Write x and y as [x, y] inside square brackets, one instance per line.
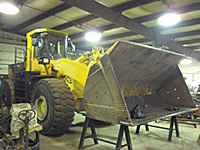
[189, 41]
[119, 8]
[126, 34]
[89, 47]
[183, 9]
[104, 12]
[133, 4]
[194, 47]
[74, 23]
[40, 17]
[157, 28]
[183, 34]
[179, 10]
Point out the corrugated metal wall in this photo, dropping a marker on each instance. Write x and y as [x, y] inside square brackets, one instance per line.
[7, 56]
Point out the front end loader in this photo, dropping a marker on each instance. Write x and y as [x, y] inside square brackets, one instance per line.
[48, 79]
[108, 86]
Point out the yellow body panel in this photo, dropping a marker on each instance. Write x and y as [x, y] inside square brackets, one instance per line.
[45, 30]
[29, 52]
[75, 71]
[44, 70]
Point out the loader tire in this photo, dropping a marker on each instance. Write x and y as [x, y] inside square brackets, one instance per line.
[7, 93]
[57, 100]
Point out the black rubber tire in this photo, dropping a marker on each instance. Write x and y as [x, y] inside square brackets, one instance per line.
[60, 105]
[7, 92]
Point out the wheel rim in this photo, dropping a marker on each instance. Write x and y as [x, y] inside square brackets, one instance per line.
[41, 107]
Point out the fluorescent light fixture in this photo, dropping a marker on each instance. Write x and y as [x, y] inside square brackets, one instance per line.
[8, 8]
[93, 36]
[185, 45]
[169, 19]
[186, 61]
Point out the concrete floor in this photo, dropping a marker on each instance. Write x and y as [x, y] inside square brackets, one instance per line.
[155, 139]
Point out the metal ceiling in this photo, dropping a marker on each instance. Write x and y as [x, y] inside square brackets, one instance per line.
[133, 20]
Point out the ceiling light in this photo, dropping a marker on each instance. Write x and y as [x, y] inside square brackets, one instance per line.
[169, 19]
[185, 45]
[8, 8]
[186, 61]
[93, 36]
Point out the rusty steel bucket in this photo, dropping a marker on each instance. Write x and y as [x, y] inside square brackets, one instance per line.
[131, 76]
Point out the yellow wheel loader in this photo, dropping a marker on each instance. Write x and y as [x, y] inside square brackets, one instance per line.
[48, 79]
[108, 86]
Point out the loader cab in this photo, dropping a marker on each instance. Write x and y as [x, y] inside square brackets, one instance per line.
[52, 46]
[44, 46]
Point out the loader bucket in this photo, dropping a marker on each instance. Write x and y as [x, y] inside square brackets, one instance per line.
[132, 75]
